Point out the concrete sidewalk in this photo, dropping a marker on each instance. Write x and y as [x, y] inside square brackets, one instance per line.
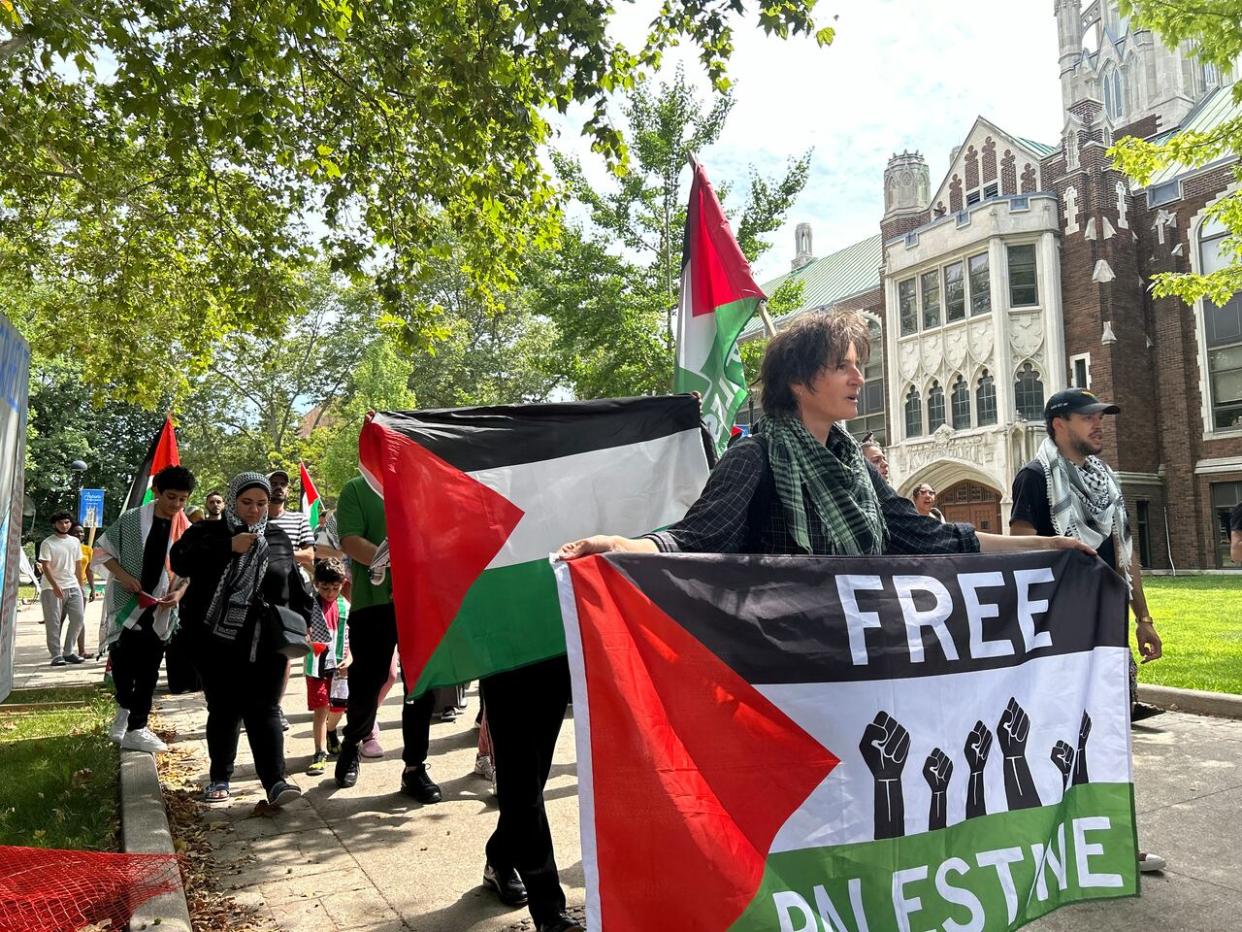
[369, 858]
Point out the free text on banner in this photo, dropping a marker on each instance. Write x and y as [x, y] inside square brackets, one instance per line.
[817, 744]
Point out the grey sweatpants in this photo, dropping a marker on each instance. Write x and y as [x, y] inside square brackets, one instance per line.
[74, 607]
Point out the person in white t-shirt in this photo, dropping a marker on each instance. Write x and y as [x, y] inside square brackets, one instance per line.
[60, 558]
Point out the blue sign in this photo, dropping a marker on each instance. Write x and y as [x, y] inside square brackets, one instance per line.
[90, 507]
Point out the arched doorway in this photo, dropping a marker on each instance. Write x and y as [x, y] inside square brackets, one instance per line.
[973, 503]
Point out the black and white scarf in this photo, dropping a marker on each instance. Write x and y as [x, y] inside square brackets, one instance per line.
[234, 595]
[1086, 502]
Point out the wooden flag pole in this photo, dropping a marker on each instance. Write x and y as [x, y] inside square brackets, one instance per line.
[767, 319]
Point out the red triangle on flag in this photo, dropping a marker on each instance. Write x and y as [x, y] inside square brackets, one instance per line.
[444, 528]
[694, 770]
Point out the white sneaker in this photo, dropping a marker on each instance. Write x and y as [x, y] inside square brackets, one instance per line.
[143, 739]
[1149, 862]
[116, 731]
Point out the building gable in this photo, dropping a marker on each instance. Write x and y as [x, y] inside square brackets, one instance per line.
[989, 157]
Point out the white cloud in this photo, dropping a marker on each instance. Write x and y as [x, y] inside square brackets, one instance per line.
[901, 75]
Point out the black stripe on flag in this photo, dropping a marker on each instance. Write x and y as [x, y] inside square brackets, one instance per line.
[510, 435]
[777, 619]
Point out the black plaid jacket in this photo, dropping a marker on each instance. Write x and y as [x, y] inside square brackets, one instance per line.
[740, 512]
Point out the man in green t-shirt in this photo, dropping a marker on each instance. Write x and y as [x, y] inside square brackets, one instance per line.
[372, 639]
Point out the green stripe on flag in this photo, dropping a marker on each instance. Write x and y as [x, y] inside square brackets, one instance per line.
[958, 874]
[511, 617]
[722, 382]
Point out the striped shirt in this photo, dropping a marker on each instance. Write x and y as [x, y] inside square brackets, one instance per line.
[294, 524]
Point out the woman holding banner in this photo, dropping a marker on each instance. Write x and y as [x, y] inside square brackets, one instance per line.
[800, 484]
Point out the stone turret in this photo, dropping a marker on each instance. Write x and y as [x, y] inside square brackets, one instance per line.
[803, 256]
[907, 184]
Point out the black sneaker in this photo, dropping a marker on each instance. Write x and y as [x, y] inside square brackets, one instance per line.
[58, 661]
[347, 765]
[416, 783]
[334, 743]
[506, 884]
[282, 793]
[74, 658]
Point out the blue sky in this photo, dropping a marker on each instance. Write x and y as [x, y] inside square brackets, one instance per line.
[901, 74]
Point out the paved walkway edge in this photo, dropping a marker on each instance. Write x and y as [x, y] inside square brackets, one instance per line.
[144, 830]
[1222, 705]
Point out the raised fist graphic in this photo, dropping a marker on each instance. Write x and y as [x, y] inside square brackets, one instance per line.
[1011, 733]
[978, 745]
[1080, 760]
[1063, 756]
[937, 771]
[885, 745]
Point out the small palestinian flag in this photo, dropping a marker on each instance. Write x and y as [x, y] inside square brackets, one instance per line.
[812, 744]
[718, 298]
[476, 499]
[162, 452]
[311, 505]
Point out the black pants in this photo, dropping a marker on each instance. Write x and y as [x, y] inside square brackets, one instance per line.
[525, 709]
[240, 692]
[136, 657]
[372, 639]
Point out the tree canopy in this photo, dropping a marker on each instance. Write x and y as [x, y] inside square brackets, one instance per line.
[164, 161]
[1212, 29]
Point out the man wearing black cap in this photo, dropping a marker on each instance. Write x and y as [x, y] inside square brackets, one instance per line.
[293, 523]
[1067, 489]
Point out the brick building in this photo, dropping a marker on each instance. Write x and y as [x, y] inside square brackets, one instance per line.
[1026, 270]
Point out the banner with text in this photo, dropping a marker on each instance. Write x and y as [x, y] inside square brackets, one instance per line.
[812, 744]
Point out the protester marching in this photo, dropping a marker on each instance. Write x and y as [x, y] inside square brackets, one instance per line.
[800, 698]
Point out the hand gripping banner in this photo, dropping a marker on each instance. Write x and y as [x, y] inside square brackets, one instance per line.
[811, 744]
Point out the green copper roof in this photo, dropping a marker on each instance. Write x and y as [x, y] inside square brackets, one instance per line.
[1207, 116]
[1037, 147]
[845, 273]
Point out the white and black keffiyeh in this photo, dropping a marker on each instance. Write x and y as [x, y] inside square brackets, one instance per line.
[1086, 503]
[230, 604]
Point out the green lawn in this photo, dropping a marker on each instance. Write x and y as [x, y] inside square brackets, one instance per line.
[61, 773]
[1200, 622]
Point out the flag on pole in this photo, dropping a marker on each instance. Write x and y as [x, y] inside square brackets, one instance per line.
[718, 298]
[807, 743]
[161, 453]
[311, 505]
[476, 498]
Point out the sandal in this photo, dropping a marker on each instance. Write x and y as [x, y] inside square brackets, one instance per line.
[216, 793]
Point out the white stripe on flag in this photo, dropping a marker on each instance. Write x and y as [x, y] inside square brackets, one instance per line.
[1053, 691]
[582, 740]
[626, 490]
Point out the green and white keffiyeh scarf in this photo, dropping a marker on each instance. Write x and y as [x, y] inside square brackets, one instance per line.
[838, 488]
[1086, 503]
[124, 542]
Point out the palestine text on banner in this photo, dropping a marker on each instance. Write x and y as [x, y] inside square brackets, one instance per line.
[821, 744]
[476, 498]
[718, 298]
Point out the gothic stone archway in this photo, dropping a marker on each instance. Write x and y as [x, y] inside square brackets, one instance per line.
[973, 503]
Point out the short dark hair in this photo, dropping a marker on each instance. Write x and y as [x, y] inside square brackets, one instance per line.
[61, 516]
[797, 354]
[329, 570]
[173, 478]
[1048, 426]
[214, 492]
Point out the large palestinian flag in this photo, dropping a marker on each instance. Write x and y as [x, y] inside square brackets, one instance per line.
[845, 744]
[718, 298]
[476, 499]
[161, 453]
